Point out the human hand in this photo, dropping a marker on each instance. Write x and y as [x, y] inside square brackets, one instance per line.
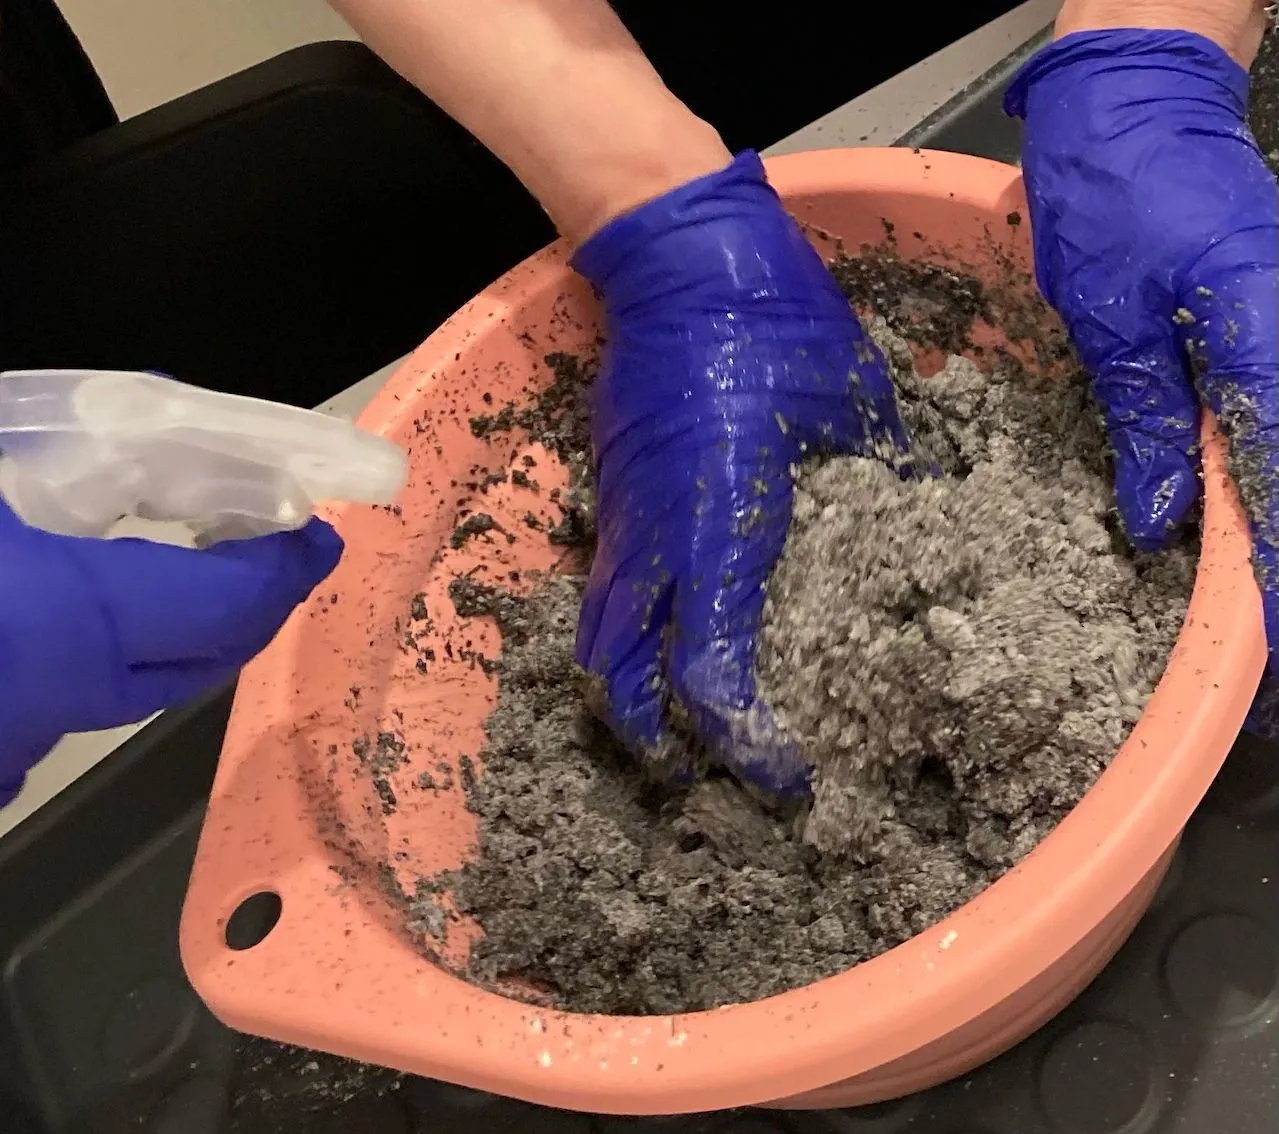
[731, 356]
[1156, 229]
[96, 633]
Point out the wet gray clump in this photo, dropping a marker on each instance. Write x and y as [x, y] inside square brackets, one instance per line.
[1264, 100]
[610, 893]
[959, 657]
[984, 627]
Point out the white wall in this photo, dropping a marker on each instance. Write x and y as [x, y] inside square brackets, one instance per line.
[150, 51]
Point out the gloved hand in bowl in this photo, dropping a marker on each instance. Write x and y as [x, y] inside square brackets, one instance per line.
[732, 355]
[1156, 228]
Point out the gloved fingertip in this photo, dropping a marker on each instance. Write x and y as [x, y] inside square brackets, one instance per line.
[324, 546]
[1147, 540]
[626, 691]
[1155, 500]
[633, 707]
[764, 754]
[781, 773]
[588, 622]
[915, 467]
[321, 532]
[717, 690]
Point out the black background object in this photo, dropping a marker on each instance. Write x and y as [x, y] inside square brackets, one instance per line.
[295, 227]
[284, 232]
[50, 96]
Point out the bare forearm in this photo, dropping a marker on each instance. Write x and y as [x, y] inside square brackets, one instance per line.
[1237, 25]
[557, 89]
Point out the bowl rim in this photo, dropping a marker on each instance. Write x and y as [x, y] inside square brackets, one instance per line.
[895, 1004]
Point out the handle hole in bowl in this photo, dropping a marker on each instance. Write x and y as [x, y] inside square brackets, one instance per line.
[253, 920]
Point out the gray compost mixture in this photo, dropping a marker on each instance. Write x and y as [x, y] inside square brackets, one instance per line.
[959, 658]
[1264, 107]
[277, 1084]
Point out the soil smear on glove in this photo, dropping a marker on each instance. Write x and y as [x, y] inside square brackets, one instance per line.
[960, 658]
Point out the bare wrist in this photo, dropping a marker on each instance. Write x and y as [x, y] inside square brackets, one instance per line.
[646, 159]
[1237, 26]
[557, 89]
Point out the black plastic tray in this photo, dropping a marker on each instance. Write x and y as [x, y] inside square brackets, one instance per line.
[100, 1033]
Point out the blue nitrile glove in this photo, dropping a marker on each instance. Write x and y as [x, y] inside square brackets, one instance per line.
[731, 355]
[1156, 227]
[96, 633]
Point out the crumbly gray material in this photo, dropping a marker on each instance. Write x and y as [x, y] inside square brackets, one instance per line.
[960, 658]
[1264, 101]
[979, 624]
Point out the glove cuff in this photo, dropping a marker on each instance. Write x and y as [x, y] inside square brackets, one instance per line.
[741, 187]
[1139, 49]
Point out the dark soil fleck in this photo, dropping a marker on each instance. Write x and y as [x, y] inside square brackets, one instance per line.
[577, 526]
[927, 303]
[559, 420]
[466, 774]
[442, 780]
[489, 479]
[479, 523]
[473, 599]
[484, 425]
[478, 660]
[380, 759]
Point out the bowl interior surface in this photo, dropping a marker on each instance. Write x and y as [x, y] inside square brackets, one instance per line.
[316, 802]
